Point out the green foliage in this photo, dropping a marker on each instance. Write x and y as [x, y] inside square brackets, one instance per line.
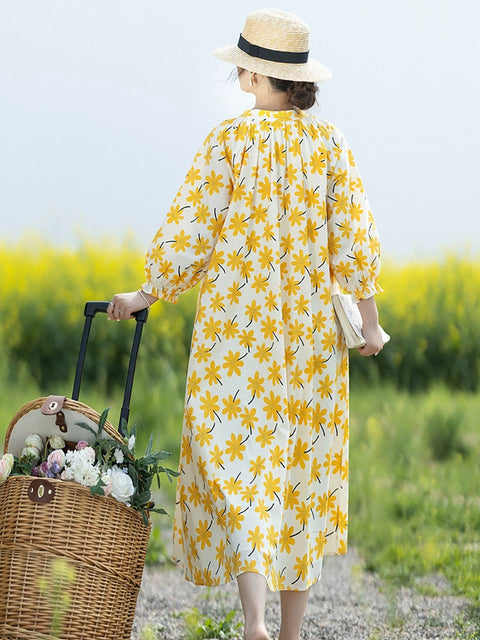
[201, 627]
[414, 506]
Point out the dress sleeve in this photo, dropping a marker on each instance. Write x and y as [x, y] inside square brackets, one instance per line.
[353, 244]
[180, 252]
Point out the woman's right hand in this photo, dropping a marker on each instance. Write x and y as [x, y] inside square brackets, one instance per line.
[123, 305]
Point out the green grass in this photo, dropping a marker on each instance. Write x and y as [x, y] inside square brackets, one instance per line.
[414, 492]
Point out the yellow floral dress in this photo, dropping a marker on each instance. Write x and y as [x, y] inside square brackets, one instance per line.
[271, 212]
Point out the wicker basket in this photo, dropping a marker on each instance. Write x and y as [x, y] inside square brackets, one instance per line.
[101, 539]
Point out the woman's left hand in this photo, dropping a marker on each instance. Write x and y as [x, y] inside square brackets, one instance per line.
[123, 305]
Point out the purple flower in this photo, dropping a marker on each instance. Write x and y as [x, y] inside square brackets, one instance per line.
[55, 468]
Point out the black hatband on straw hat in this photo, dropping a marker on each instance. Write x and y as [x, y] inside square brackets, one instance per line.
[254, 50]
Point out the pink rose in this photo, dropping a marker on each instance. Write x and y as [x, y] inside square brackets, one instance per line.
[90, 453]
[57, 456]
[81, 445]
[107, 489]
[4, 470]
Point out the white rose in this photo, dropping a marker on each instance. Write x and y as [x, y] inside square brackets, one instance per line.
[30, 455]
[118, 453]
[56, 442]
[34, 440]
[122, 485]
[9, 461]
[131, 443]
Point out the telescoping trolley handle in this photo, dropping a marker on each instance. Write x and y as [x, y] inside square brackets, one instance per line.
[91, 308]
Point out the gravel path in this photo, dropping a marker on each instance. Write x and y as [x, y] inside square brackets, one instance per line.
[348, 604]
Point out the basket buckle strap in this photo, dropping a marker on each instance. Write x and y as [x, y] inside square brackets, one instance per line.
[41, 491]
[52, 405]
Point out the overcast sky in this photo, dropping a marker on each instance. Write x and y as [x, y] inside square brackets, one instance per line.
[103, 104]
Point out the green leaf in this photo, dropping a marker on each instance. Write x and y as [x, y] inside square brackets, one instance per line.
[148, 450]
[101, 422]
[83, 425]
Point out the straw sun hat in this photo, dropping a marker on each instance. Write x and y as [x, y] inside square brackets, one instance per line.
[276, 44]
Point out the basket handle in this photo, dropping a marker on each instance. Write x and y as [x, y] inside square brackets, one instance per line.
[91, 309]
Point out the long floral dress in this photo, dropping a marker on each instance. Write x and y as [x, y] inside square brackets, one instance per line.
[271, 212]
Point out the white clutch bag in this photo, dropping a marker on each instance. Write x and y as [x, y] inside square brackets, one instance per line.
[351, 321]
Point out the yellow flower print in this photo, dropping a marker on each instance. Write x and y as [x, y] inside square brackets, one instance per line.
[192, 176]
[212, 329]
[217, 302]
[241, 131]
[272, 536]
[195, 197]
[202, 354]
[193, 384]
[273, 407]
[265, 258]
[279, 153]
[277, 457]
[290, 356]
[234, 293]
[233, 486]
[238, 192]
[344, 269]
[344, 470]
[301, 567]
[209, 405]
[204, 434]
[303, 514]
[326, 503]
[257, 466]
[342, 547]
[296, 331]
[337, 463]
[312, 197]
[175, 214]
[334, 244]
[328, 339]
[214, 183]
[238, 224]
[271, 484]
[187, 449]
[217, 261]
[291, 495]
[260, 283]
[216, 457]
[339, 520]
[249, 566]
[263, 353]
[230, 329]
[212, 374]
[231, 406]
[235, 517]
[255, 384]
[235, 447]
[292, 286]
[295, 148]
[249, 418]
[233, 363]
[249, 493]
[267, 164]
[291, 174]
[286, 538]
[201, 246]
[301, 454]
[262, 509]
[188, 418]
[269, 328]
[300, 261]
[302, 305]
[195, 496]
[318, 161]
[315, 470]
[255, 538]
[286, 244]
[271, 301]
[320, 542]
[264, 188]
[252, 241]
[296, 377]
[216, 490]
[361, 259]
[356, 211]
[296, 215]
[246, 269]
[247, 339]
[265, 436]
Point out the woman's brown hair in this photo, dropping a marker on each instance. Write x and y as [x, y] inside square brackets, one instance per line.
[301, 95]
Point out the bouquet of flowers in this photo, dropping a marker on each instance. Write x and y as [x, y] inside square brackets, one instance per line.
[106, 465]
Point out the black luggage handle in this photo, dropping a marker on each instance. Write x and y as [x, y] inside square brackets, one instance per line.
[91, 308]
